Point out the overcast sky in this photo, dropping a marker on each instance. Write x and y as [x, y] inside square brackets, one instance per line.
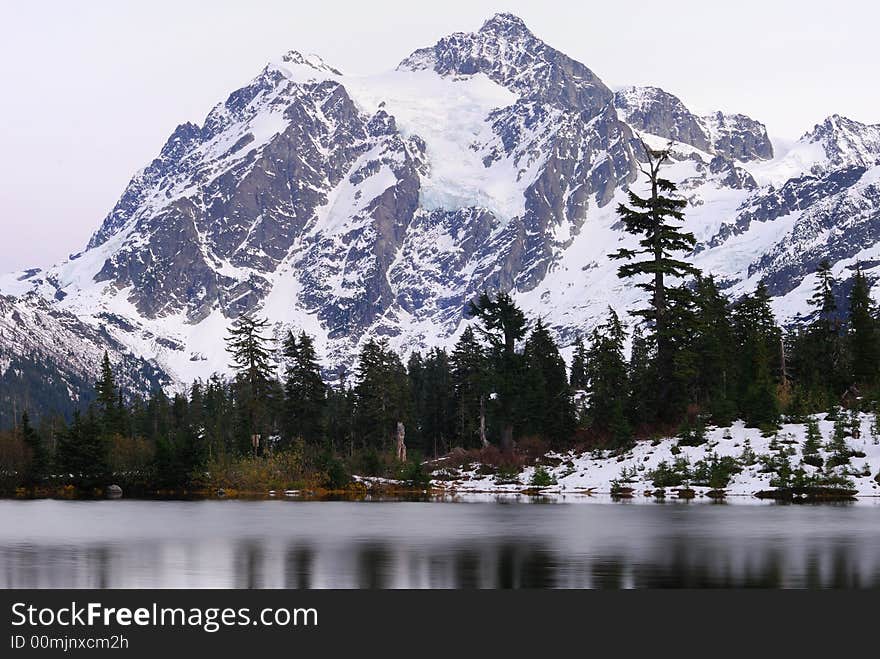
[91, 89]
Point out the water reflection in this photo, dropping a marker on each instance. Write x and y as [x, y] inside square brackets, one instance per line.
[430, 545]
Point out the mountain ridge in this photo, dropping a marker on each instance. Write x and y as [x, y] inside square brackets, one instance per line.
[379, 205]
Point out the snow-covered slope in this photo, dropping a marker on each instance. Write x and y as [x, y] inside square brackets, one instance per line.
[577, 472]
[358, 205]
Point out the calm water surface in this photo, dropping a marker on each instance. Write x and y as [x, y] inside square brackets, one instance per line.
[488, 544]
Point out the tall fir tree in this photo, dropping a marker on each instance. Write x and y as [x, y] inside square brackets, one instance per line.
[108, 399]
[826, 331]
[608, 381]
[250, 353]
[38, 464]
[305, 394]
[382, 394]
[657, 220]
[503, 324]
[437, 414]
[864, 333]
[547, 409]
[415, 372]
[470, 381]
[714, 351]
[641, 381]
[758, 339]
[82, 452]
[578, 374]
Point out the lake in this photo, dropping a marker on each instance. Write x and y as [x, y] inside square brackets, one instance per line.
[483, 543]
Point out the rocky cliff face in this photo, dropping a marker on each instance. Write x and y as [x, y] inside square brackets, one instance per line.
[734, 137]
[350, 206]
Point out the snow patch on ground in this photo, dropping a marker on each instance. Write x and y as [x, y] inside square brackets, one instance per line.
[582, 472]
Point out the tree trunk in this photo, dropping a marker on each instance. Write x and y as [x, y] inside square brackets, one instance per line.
[507, 438]
[483, 441]
[401, 445]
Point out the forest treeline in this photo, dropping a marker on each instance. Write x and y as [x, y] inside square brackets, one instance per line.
[693, 357]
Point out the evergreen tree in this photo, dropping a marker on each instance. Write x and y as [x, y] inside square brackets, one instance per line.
[38, 466]
[823, 294]
[108, 399]
[679, 386]
[339, 416]
[547, 408]
[840, 452]
[503, 324]
[438, 403]
[578, 375]
[757, 340]
[608, 381]
[415, 372]
[218, 409]
[812, 444]
[470, 381]
[656, 219]
[251, 361]
[714, 352]
[181, 453]
[382, 394]
[642, 379]
[305, 394]
[82, 451]
[824, 342]
[864, 333]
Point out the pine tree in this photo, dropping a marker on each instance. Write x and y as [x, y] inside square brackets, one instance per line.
[642, 381]
[823, 342]
[438, 406]
[823, 294]
[812, 444]
[657, 220]
[679, 385]
[714, 352]
[578, 375]
[339, 415]
[757, 339]
[838, 447]
[608, 381]
[82, 452]
[251, 362]
[415, 373]
[547, 408]
[108, 399]
[864, 333]
[305, 394]
[503, 324]
[38, 466]
[470, 381]
[382, 394]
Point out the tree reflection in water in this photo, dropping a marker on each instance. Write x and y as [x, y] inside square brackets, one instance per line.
[428, 545]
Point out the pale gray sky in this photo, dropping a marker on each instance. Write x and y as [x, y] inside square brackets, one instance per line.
[91, 89]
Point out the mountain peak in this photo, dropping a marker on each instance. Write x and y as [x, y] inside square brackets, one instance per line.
[309, 60]
[505, 24]
[835, 123]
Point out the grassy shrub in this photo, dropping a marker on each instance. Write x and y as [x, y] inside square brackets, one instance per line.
[279, 471]
[331, 471]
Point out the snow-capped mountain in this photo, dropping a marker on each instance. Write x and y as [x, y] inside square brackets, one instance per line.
[357, 205]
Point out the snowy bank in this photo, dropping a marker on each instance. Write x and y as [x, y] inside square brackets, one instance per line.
[754, 453]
